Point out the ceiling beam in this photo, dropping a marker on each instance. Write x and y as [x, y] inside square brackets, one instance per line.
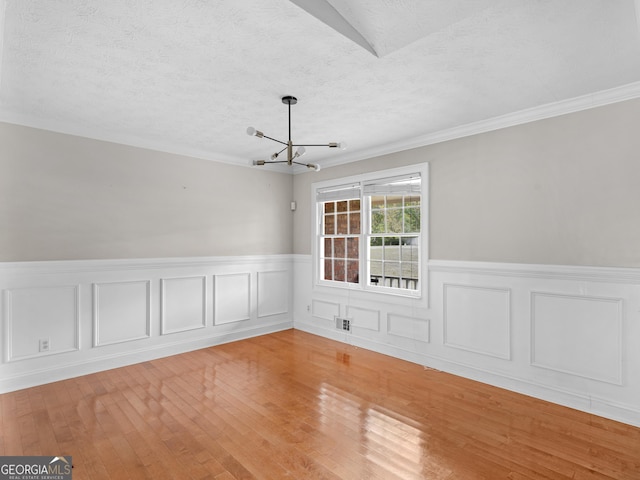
[324, 11]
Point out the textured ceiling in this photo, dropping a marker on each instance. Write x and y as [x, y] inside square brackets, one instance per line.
[189, 76]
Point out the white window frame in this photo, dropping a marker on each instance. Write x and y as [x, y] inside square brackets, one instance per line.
[319, 284]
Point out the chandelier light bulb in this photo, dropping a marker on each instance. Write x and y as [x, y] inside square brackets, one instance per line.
[252, 131]
[301, 151]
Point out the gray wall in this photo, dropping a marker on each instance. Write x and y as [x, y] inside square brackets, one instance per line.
[560, 191]
[65, 198]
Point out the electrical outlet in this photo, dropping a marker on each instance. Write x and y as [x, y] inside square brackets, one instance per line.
[44, 345]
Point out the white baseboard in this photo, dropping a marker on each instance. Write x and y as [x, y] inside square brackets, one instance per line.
[563, 334]
[596, 406]
[65, 371]
[101, 314]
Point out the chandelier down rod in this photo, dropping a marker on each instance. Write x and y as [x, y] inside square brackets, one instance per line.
[288, 145]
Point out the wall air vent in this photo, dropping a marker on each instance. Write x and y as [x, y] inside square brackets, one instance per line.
[343, 324]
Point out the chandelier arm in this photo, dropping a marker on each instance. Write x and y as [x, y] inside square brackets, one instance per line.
[311, 145]
[289, 145]
[275, 140]
[313, 166]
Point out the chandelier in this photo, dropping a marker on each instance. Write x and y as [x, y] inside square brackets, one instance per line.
[288, 145]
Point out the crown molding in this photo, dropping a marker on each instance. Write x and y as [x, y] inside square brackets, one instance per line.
[549, 110]
[73, 129]
[68, 128]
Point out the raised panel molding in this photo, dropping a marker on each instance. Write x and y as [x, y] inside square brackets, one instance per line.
[325, 310]
[364, 318]
[49, 313]
[273, 293]
[121, 312]
[121, 307]
[232, 298]
[183, 304]
[408, 327]
[593, 312]
[578, 335]
[477, 319]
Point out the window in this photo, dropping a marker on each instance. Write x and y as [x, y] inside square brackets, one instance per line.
[340, 234]
[393, 236]
[370, 232]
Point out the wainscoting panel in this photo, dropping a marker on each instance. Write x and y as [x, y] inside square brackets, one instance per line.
[364, 318]
[577, 335]
[41, 321]
[408, 327]
[122, 312]
[103, 314]
[232, 298]
[325, 309]
[183, 304]
[273, 293]
[564, 334]
[477, 319]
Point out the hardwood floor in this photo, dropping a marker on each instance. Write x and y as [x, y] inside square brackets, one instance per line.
[293, 405]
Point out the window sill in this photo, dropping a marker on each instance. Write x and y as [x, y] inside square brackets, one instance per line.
[364, 292]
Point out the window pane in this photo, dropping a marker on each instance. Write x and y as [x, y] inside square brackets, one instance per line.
[338, 274]
[392, 274]
[329, 207]
[394, 201]
[353, 271]
[343, 224]
[375, 252]
[354, 223]
[411, 220]
[328, 271]
[353, 248]
[354, 205]
[338, 245]
[329, 225]
[377, 202]
[375, 273]
[410, 250]
[394, 221]
[377, 222]
[412, 201]
[410, 270]
[391, 240]
[328, 251]
[342, 206]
